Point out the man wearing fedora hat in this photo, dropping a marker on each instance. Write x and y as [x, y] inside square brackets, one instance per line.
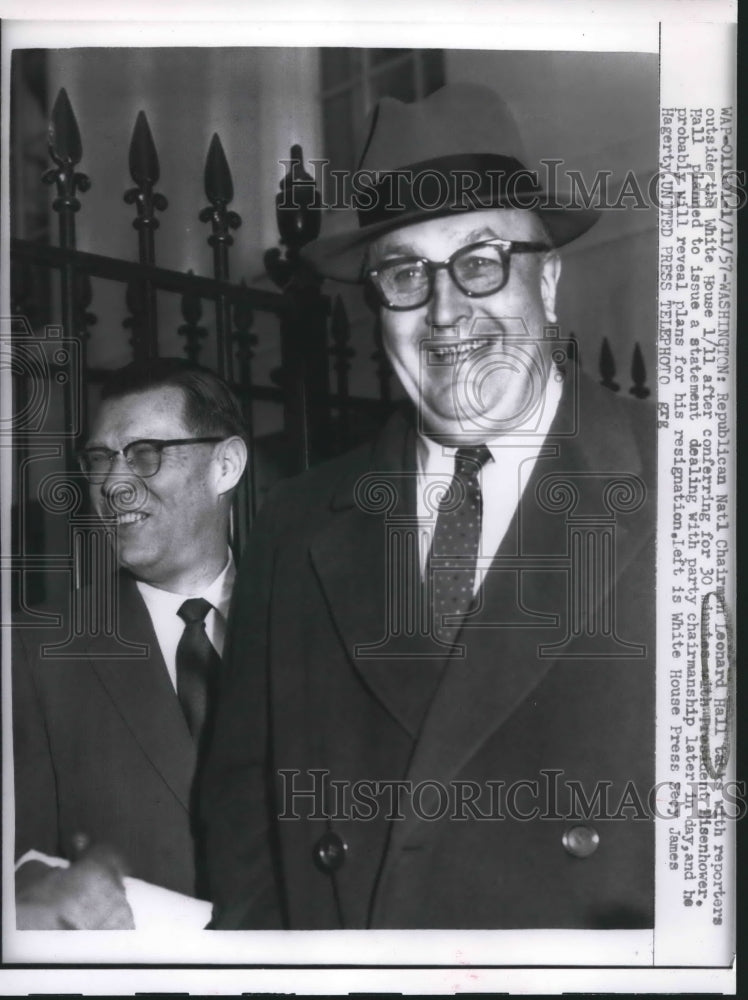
[438, 702]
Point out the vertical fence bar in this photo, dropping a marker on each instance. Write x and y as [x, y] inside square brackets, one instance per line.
[342, 352]
[219, 190]
[145, 172]
[306, 376]
[136, 322]
[304, 347]
[84, 320]
[383, 366]
[193, 333]
[65, 148]
[244, 501]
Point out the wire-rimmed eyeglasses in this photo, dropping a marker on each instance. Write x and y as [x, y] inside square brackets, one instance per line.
[478, 269]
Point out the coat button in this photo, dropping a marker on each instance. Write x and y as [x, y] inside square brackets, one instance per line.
[581, 841]
[329, 852]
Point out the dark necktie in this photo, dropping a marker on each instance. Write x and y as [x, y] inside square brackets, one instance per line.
[456, 542]
[198, 664]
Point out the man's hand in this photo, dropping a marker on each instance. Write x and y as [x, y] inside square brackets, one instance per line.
[89, 895]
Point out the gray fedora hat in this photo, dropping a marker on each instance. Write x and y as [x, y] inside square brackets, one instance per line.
[459, 149]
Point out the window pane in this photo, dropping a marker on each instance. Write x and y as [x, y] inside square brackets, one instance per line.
[433, 70]
[406, 74]
[338, 125]
[380, 56]
[395, 81]
[336, 65]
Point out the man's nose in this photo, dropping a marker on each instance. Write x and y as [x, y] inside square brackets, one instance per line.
[448, 306]
[120, 483]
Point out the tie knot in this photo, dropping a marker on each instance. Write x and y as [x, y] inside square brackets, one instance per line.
[470, 459]
[194, 610]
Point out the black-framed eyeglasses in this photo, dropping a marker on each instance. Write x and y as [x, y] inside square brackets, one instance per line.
[143, 456]
[478, 269]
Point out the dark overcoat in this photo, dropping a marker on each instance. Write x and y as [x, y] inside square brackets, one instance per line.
[100, 742]
[543, 718]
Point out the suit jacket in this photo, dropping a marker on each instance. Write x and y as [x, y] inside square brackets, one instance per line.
[556, 686]
[101, 745]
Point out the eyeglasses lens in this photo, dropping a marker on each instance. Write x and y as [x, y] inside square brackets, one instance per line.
[142, 458]
[479, 271]
[406, 284]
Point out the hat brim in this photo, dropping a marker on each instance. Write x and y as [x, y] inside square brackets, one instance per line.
[341, 255]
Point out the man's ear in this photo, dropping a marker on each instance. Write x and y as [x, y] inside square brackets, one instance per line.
[230, 460]
[549, 275]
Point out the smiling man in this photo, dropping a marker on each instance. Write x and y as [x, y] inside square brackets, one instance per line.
[494, 289]
[108, 740]
[439, 700]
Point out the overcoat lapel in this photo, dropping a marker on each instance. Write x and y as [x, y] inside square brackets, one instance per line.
[142, 693]
[354, 555]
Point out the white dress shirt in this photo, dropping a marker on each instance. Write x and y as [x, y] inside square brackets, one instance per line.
[502, 479]
[163, 607]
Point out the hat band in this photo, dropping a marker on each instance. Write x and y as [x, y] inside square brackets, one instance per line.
[445, 184]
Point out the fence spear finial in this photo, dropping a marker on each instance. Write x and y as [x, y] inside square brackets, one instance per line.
[219, 186]
[638, 374]
[219, 190]
[63, 134]
[607, 367]
[65, 148]
[298, 207]
[143, 161]
[145, 171]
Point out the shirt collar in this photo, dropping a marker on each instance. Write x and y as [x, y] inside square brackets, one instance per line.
[218, 593]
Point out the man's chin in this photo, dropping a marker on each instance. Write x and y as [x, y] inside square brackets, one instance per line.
[133, 559]
[452, 431]
[471, 428]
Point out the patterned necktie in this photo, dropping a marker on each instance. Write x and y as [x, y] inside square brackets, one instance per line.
[198, 664]
[456, 542]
